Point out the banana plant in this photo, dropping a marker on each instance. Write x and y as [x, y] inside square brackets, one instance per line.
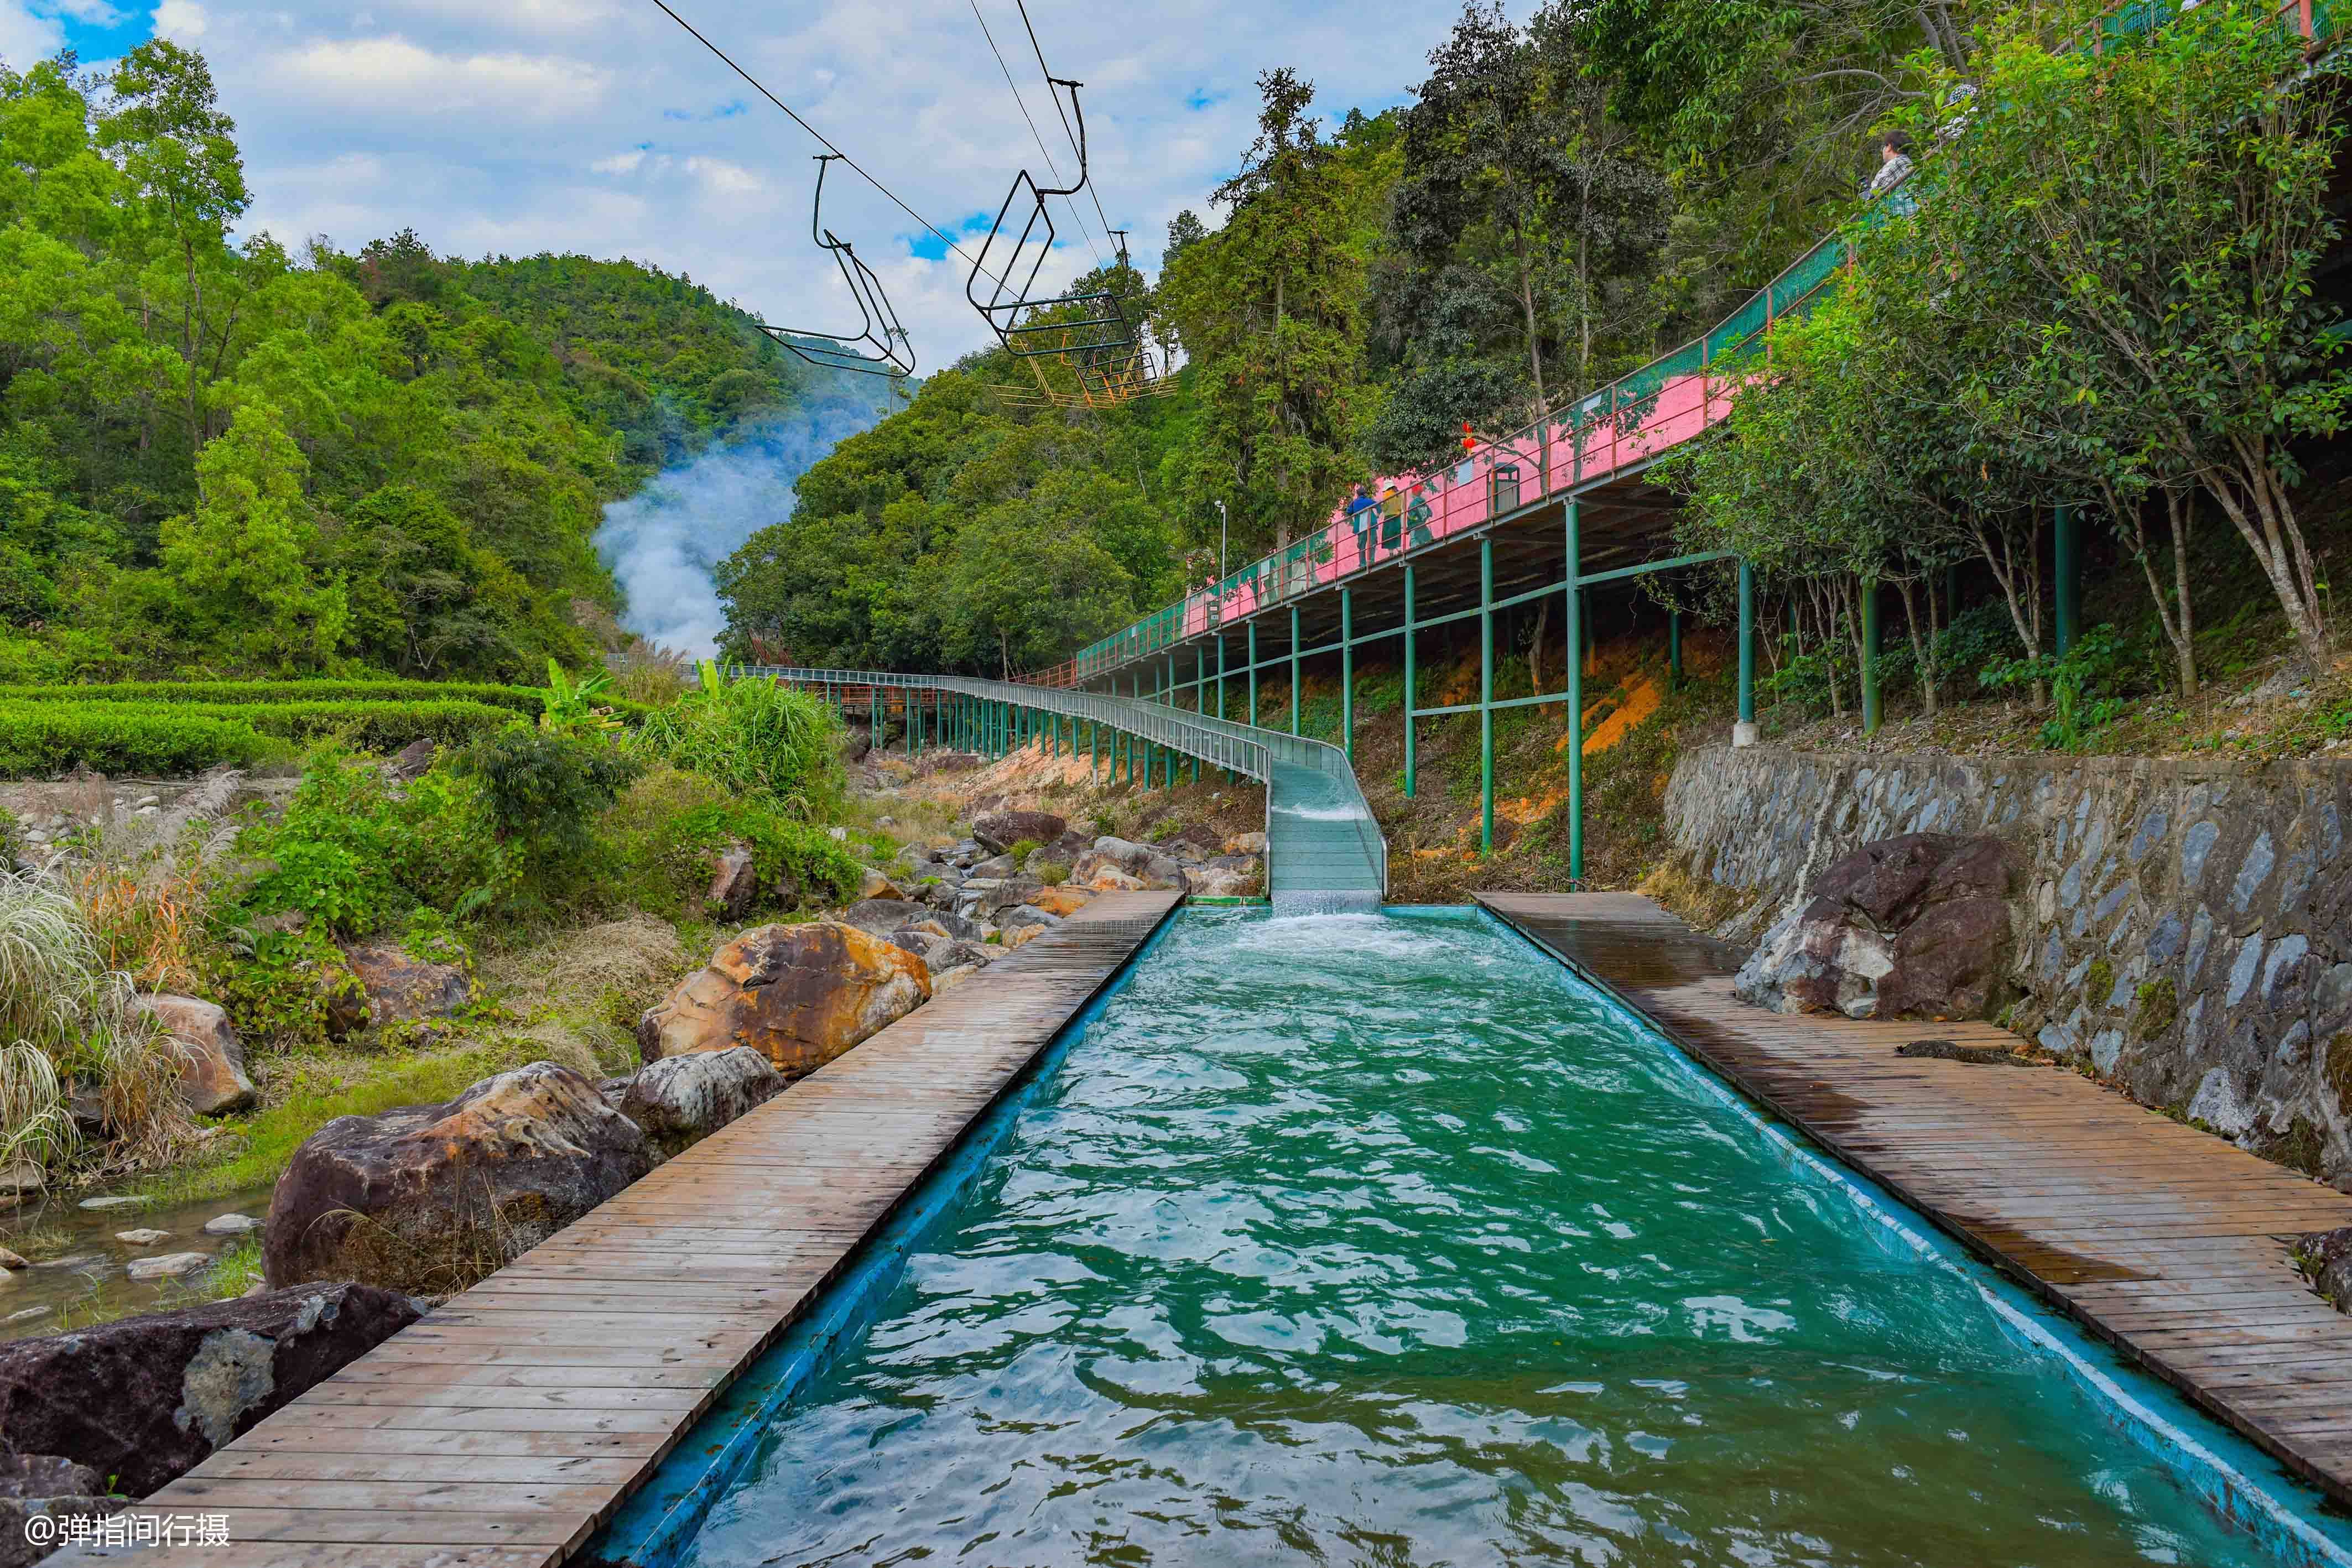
[570, 705]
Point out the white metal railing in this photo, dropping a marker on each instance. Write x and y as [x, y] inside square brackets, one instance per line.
[1222, 743]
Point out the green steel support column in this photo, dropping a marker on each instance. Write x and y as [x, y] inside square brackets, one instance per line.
[2067, 549]
[1294, 669]
[1486, 694]
[1220, 689]
[1870, 703]
[1575, 551]
[1674, 650]
[1746, 643]
[1407, 682]
[1252, 674]
[907, 701]
[1347, 672]
[1094, 751]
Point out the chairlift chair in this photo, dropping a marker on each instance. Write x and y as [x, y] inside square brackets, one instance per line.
[880, 347]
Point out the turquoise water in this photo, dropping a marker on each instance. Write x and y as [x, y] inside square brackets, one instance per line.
[1380, 1239]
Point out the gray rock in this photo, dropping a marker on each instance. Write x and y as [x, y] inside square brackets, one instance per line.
[1025, 914]
[231, 1225]
[168, 1265]
[681, 1100]
[881, 916]
[144, 1399]
[57, 1491]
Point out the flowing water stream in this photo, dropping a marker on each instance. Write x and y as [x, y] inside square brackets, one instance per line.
[1384, 1239]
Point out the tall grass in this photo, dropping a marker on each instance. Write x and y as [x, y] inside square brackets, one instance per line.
[755, 737]
[63, 1014]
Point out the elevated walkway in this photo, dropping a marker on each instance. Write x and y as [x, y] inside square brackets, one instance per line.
[1323, 849]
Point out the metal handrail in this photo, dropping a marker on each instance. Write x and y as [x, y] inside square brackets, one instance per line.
[1222, 743]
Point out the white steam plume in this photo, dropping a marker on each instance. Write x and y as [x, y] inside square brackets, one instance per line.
[663, 541]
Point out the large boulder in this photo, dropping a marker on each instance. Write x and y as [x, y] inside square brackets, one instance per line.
[1915, 927]
[681, 1100]
[57, 1491]
[872, 883]
[144, 1399]
[402, 989]
[213, 1080]
[430, 1198]
[800, 994]
[1000, 830]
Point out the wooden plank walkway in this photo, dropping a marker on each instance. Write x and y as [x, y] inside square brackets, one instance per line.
[506, 1427]
[2165, 1241]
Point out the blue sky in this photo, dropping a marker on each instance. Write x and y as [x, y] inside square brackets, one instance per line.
[599, 126]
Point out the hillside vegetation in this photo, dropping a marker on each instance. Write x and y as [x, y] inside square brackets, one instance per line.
[225, 459]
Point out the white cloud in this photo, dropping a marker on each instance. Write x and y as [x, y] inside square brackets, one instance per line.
[26, 39]
[390, 73]
[181, 21]
[599, 126]
[722, 178]
[541, 16]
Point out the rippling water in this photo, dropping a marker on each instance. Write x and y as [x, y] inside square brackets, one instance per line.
[1375, 1239]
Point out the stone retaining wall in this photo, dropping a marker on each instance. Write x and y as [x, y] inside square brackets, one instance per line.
[2183, 927]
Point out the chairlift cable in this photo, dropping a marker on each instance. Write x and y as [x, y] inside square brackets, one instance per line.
[1023, 105]
[1023, 6]
[760, 87]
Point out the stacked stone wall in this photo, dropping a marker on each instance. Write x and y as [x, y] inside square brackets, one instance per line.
[2183, 927]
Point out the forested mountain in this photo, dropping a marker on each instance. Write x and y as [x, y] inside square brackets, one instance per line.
[235, 458]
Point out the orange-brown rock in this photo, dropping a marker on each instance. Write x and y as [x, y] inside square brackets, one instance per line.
[1065, 901]
[800, 995]
[213, 1080]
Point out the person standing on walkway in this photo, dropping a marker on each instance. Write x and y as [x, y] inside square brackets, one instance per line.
[1895, 166]
[1361, 519]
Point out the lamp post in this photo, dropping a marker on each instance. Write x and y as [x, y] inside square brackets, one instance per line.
[1221, 541]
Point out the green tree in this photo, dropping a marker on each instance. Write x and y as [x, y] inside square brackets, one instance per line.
[1269, 309]
[242, 563]
[168, 133]
[2156, 216]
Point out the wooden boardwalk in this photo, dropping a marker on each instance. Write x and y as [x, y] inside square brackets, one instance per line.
[2168, 1242]
[506, 1427]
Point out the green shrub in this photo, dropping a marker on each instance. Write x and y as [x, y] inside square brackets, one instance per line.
[662, 833]
[1022, 849]
[277, 985]
[45, 738]
[352, 853]
[1052, 873]
[754, 738]
[542, 791]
